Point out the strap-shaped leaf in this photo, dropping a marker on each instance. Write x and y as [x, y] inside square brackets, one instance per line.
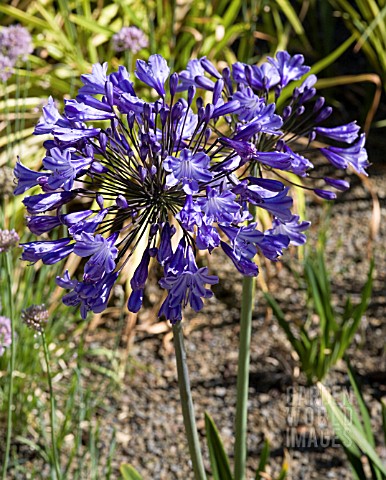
[218, 458]
[263, 460]
[347, 432]
[129, 472]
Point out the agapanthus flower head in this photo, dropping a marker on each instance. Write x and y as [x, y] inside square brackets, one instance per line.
[15, 42]
[177, 174]
[132, 39]
[35, 317]
[5, 334]
[8, 239]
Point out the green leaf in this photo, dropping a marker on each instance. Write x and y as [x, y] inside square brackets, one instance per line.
[218, 458]
[383, 402]
[23, 17]
[91, 25]
[129, 473]
[263, 460]
[347, 432]
[362, 407]
[291, 15]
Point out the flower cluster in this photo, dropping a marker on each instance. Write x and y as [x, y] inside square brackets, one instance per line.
[131, 39]
[5, 334]
[177, 171]
[15, 43]
[35, 317]
[8, 239]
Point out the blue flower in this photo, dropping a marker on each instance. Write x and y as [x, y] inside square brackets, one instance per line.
[26, 178]
[65, 166]
[356, 156]
[289, 68]
[250, 104]
[102, 253]
[292, 229]
[154, 73]
[42, 223]
[48, 251]
[47, 201]
[186, 288]
[344, 133]
[186, 166]
[189, 169]
[218, 206]
[94, 83]
[81, 112]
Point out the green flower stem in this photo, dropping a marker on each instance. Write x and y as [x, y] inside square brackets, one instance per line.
[8, 269]
[243, 377]
[187, 403]
[55, 455]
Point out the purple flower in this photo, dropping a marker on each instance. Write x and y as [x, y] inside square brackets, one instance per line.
[194, 70]
[15, 42]
[102, 253]
[65, 167]
[130, 38]
[337, 183]
[250, 104]
[190, 215]
[219, 206]
[8, 239]
[42, 223]
[243, 264]
[94, 82]
[292, 229]
[344, 133]
[80, 112]
[26, 177]
[186, 288]
[289, 68]
[258, 77]
[207, 237]
[154, 73]
[356, 156]
[50, 118]
[299, 164]
[47, 201]
[48, 252]
[265, 121]
[189, 169]
[90, 296]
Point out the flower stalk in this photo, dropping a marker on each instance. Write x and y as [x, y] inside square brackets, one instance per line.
[55, 456]
[8, 269]
[187, 403]
[240, 451]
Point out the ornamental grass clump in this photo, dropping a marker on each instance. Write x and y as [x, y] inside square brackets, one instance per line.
[181, 168]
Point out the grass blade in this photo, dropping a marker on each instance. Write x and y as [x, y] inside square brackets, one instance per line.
[218, 458]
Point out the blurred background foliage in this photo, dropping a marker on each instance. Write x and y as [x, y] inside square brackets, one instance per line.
[344, 42]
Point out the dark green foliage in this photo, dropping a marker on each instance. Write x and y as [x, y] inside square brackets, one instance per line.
[320, 349]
